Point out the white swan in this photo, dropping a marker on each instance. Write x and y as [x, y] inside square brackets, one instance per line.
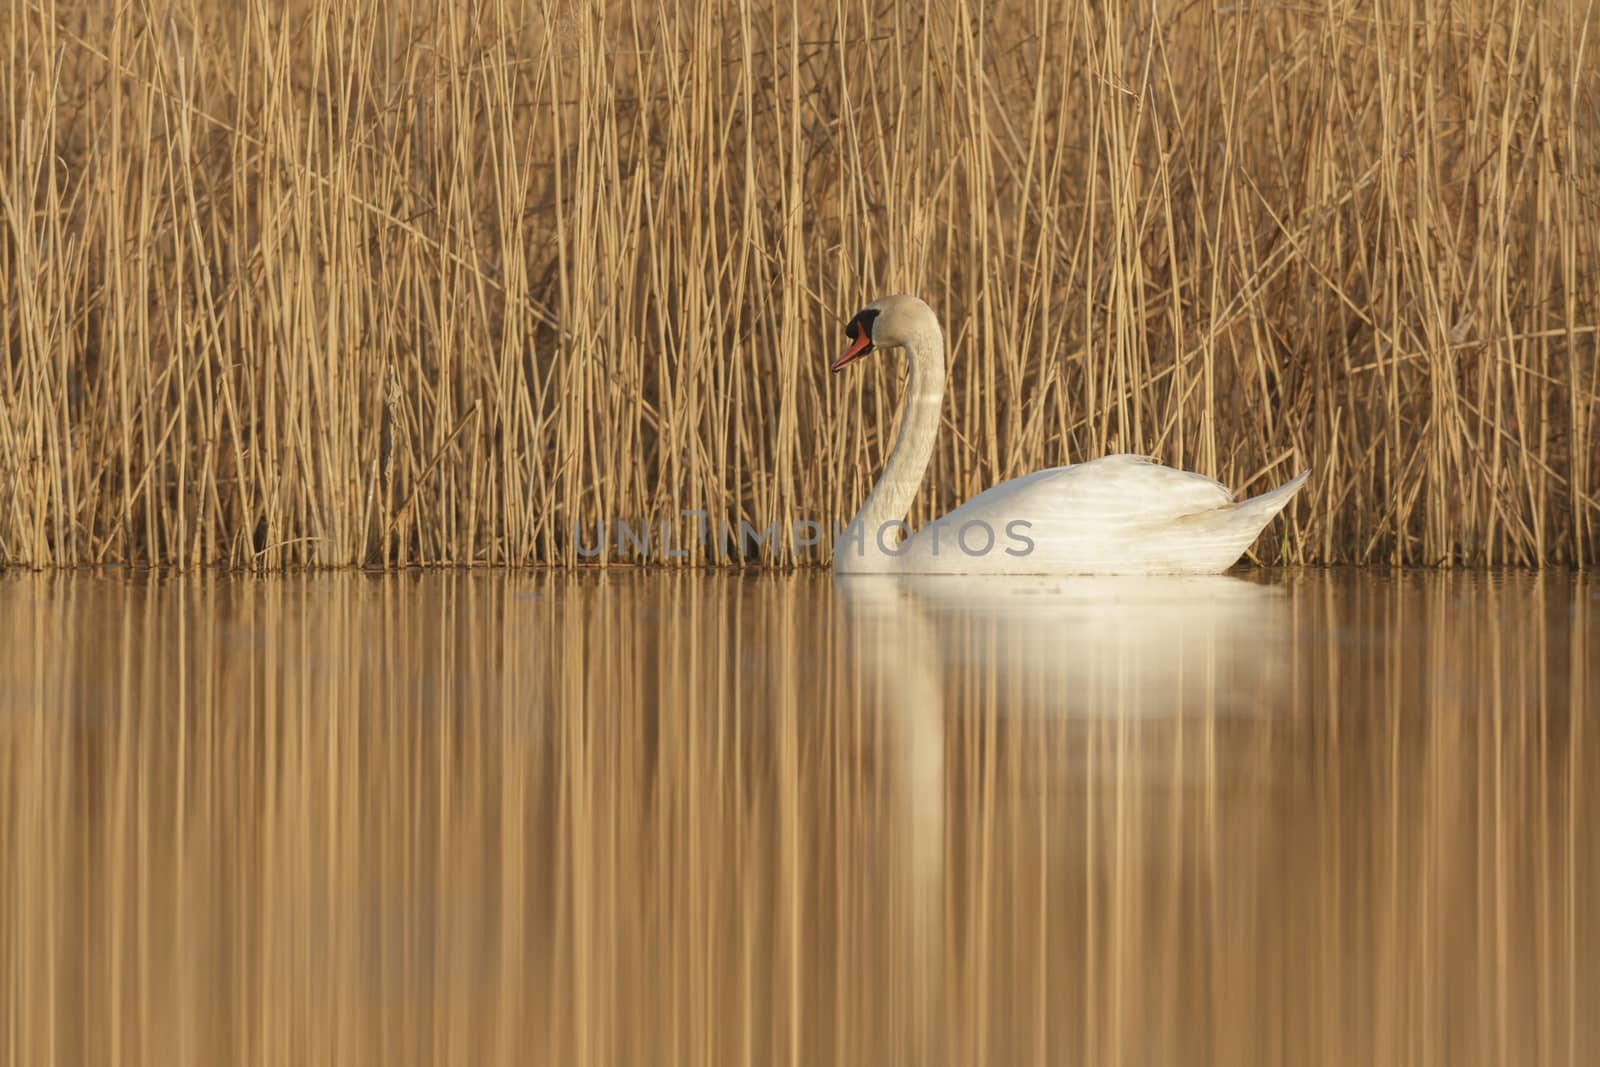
[1116, 515]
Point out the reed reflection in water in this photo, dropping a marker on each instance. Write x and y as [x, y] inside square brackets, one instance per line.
[666, 818]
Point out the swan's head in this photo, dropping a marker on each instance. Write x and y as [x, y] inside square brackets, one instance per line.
[887, 322]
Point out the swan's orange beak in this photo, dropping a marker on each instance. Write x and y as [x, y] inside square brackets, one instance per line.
[860, 345]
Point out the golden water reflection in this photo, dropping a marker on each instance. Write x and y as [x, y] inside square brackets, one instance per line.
[1324, 818]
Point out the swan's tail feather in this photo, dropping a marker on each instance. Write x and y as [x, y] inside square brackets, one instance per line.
[1216, 539]
[1272, 501]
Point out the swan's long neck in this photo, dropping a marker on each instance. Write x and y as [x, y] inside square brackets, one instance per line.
[919, 428]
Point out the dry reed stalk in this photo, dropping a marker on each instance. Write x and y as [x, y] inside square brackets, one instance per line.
[368, 284]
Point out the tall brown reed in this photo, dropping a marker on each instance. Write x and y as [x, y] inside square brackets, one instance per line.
[360, 283]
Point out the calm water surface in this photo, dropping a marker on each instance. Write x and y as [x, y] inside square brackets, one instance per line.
[1318, 818]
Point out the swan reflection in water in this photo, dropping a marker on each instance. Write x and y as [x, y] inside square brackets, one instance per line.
[1087, 645]
[1099, 649]
[1092, 647]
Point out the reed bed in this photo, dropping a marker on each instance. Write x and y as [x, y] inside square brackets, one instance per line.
[358, 283]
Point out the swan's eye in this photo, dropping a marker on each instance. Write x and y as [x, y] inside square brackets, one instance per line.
[861, 324]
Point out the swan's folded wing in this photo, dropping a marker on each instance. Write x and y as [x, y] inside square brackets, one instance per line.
[1113, 491]
[1117, 515]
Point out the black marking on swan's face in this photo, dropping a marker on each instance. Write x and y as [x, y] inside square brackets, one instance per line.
[862, 323]
[859, 330]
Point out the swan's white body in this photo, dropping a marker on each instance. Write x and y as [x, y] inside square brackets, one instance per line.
[1116, 515]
